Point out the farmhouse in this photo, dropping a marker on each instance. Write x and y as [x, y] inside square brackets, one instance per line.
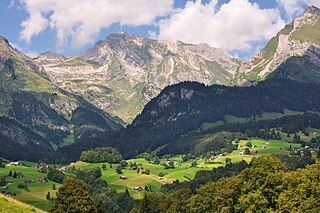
[41, 180]
[14, 164]
[8, 194]
[62, 169]
[141, 171]
[253, 152]
[138, 189]
[28, 181]
[132, 167]
[175, 163]
[19, 174]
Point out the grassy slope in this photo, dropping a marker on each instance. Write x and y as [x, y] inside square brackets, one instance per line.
[274, 147]
[183, 172]
[308, 33]
[10, 205]
[38, 191]
[233, 119]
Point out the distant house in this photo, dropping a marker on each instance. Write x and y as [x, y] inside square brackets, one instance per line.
[19, 174]
[132, 167]
[62, 169]
[14, 163]
[8, 194]
[123, 178]
[253, 152]
[28, 180]
[241, 153]
[41, 180]
[175, 163]
[141, 171]
[138, 189]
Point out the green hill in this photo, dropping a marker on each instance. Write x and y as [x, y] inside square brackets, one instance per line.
[35, 115]
[10, 205]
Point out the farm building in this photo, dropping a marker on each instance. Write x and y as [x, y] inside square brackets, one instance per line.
[14, 164]
[132, 167]
[253, 152]
[138, 189]
[28, 181]
[19, 174]
[41, 180]
[123, 178]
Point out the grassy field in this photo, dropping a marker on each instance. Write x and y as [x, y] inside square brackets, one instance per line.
[36, 195]
[182, 172]
[10, 205]
[232, 119]
[271, 147]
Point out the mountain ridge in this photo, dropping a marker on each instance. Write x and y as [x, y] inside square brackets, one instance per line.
[133, 69]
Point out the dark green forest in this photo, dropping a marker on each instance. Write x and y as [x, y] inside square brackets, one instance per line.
[179, 119]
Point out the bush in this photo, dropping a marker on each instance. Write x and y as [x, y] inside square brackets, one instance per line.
[101, 155]
[55, 175]
[161, 174]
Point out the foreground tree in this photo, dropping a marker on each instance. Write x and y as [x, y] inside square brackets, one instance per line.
[73, 197]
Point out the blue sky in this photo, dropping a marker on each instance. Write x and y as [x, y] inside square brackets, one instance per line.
[241, 27]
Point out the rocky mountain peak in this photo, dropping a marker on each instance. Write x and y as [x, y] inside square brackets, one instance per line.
[48, 55]
[311, 16]
[4, 41]
[312, 11]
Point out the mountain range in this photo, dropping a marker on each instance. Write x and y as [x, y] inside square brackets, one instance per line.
[54, 100]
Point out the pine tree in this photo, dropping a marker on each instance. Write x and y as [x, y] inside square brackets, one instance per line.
[48, 196]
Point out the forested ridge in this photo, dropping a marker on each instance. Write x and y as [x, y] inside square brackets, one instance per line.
[173, 119]
[183, 108]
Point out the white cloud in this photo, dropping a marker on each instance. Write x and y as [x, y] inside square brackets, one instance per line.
[237, 25]
[293, 8]
[11, 5]
[79, 21]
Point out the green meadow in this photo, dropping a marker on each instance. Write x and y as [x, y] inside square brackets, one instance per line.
[36, 194]
[10, 205]
[182, 172]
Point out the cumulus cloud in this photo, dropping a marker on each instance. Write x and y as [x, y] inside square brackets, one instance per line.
[292, 8]
[236, 25]
[79, 21]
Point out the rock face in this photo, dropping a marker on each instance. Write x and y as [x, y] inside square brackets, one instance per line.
[123, 72]
[295, 40]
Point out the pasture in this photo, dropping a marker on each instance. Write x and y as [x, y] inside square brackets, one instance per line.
[36, 193]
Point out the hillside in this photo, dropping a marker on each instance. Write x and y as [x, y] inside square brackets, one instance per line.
[185, 118]
[9, 205]
[292, 53]
[37, 116]
[123, 72]
[184, 108]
